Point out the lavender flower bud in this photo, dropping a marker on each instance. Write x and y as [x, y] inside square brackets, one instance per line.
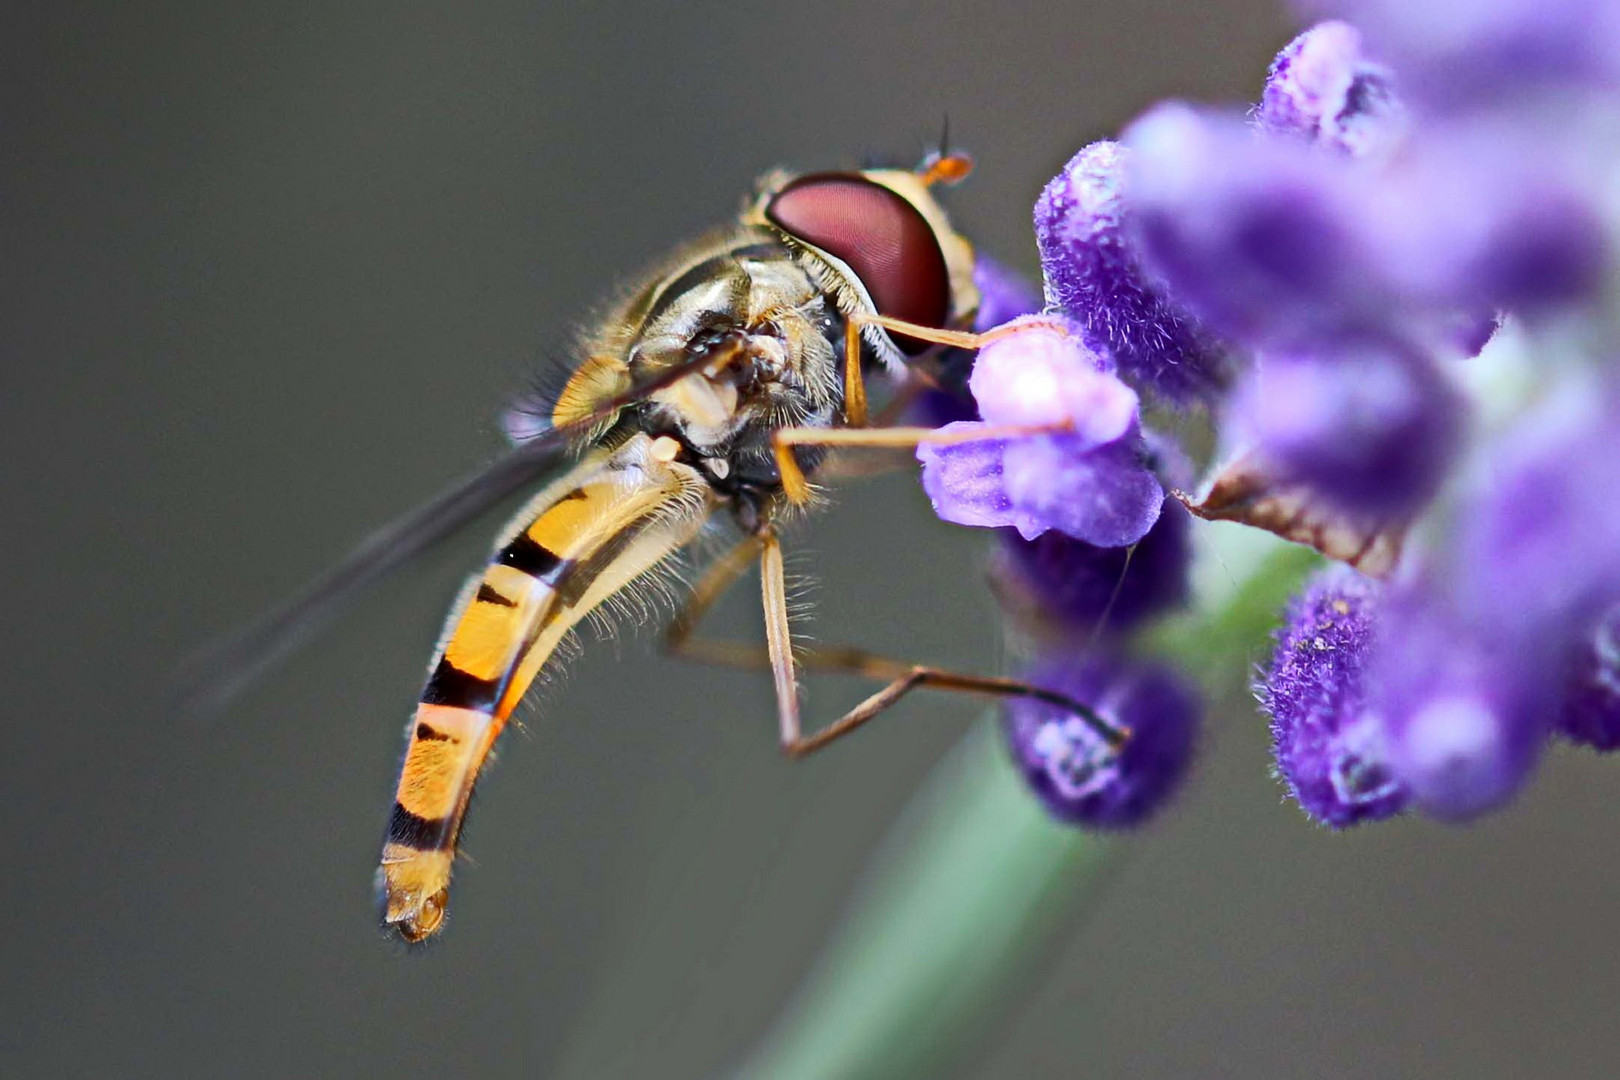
[1072, 771]
[1329, 750]
[1093, 275]
[1370, 425]
[1537, 541]
[1591, 710]
[1470, 668]
[1004, 294]
[1464, 707]
[1454, 54]
[1484, 215]
[1068, 587]
[1261, 237]
[1325, 88]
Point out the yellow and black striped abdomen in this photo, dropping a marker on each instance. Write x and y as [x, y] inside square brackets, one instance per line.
[590, 534]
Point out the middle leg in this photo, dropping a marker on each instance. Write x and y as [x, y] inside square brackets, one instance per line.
[901, 677]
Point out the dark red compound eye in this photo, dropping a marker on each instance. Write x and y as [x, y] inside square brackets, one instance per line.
[880, 236]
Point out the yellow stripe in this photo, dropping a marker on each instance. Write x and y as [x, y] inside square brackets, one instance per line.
[488, 637]
[565, 529]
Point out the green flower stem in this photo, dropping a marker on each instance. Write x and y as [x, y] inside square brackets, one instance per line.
[974, 877]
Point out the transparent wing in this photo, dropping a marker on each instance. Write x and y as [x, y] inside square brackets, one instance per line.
[215, 674]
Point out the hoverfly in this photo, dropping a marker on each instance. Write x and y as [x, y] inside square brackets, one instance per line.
[714, 389]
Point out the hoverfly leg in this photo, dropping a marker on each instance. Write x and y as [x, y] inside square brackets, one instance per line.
[855, 432]
[854, 382]
[957, 339]
[797, 489]
[680, 640]
[719, 576]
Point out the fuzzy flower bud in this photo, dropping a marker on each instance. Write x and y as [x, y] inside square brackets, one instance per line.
[1061, 585]
[1329, 750]
[1261, 237]
[1093, 275]
[1324, 88]
[1591, 710]
[1370, 425]
[1456, 54]
[1464, 708]
[1068, 765]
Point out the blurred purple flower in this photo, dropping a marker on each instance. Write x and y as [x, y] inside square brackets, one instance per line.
[1325, 88]
[1591, 710]
[1004, 294]
[1070, 768]
[1074, 586]
[1369, 424]
[1262, 238]
[1464, 707]
[1483, 214]
[1093, 275]
[1536, 544]
[1329, 750]
[1454, 54]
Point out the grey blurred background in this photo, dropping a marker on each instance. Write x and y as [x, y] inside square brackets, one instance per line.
[270, 271]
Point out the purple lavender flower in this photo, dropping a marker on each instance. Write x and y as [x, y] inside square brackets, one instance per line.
[1043, 377]
[1468, 674]
[1087, 478]
[1076, 588]
[1104, 495]
[1464, 707]
[1094, 276]
[1329, 749]
[1483, 214]
[1368, 423]
[1591, 710]
[1072, 771]
[1537, 541]
[1324, 88]
[1455, 54]
[1262, 238]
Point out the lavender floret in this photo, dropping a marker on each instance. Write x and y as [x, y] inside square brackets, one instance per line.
[1093, 274]
[1370, 424]
[1329, 749]
[1086, 475]
[1072, 770]
[1323, 87]
[1591, 710]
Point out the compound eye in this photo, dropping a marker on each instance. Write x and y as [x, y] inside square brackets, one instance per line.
[879, 235]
